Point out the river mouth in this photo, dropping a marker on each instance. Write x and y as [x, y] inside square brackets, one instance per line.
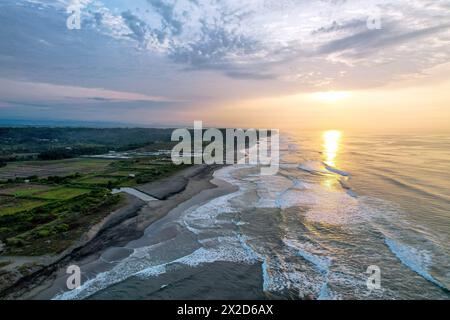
[136, 193]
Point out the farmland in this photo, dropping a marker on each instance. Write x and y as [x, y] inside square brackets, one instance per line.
[46, 205]
[50, 204]
[11, 205]
[24, 169]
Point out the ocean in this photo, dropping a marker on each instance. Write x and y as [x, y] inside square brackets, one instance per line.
[340, 206]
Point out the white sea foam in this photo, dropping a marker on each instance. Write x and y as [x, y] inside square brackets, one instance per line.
[229, 249]
[321, 263]
[205, 216]
[416, 260]
[152, 271]
[280, 275]
[324, 293]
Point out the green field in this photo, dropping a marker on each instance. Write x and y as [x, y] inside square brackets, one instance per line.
[11, 205]
[47, 192]
[63, 193]
[62, 199]
[46, 204]
[120, 173]
[36, 227]
[97, 180]
[24, 169]
[23, 190]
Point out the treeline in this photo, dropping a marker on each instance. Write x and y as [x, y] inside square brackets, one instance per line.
[65, 153]
[47, 180]
[60, 143]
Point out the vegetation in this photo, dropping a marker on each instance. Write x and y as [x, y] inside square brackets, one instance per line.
[53, 227]
[55, 171]
[11, 205]
[47, 203]
[62, 193]
[44, 143]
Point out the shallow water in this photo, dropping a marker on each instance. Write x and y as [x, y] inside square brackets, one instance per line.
[338, 205]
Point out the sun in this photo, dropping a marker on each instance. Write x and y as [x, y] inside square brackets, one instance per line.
[330, 96]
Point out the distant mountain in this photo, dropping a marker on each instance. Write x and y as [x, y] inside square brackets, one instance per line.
[77, 123]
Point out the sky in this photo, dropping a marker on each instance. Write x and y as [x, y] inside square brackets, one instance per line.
[304, 64]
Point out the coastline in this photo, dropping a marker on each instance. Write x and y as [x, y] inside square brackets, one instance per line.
[182, 190]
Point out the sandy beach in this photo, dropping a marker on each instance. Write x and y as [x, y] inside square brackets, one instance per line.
[103, 246]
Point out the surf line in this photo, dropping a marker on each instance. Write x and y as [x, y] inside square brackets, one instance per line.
[197, 311]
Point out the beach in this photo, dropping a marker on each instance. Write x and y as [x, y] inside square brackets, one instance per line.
[311, 231]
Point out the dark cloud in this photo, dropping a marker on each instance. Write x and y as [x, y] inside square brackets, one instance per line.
[167, 14]
[250, 75]
[136, 25]
[271, 49]
[376, 39]
[347, 25]
[212, 50]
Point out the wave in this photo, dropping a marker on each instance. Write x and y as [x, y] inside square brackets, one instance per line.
[414, 259]
[347, 188]
[419, 190]
[321, 263]
[267, 279]
[228, 251]
[313, 167]
[337, 171]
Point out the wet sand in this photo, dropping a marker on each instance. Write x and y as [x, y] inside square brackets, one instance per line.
[236, 281]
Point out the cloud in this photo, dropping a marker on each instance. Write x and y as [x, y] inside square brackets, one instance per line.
[375, 39]
[346, 25]
[239, 39]
[51, 92]
[136, 25]
[250, 75]
[166, 11]
[191, 51]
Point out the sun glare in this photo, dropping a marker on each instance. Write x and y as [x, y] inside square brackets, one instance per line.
[331, 146]
[330, 96]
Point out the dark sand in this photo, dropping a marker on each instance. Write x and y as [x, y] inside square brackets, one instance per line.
[164, 188]
[236, 281]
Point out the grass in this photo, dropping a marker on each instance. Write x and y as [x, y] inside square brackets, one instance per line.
[23, 190]
[63, 193]
[52, 168]
[97, 180]
[143, 167]
[120, 173]
[11, 205]
[46, 192]
[62, 226]
[72, 163]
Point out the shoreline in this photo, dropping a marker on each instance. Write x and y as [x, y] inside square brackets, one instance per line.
[188, 187]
